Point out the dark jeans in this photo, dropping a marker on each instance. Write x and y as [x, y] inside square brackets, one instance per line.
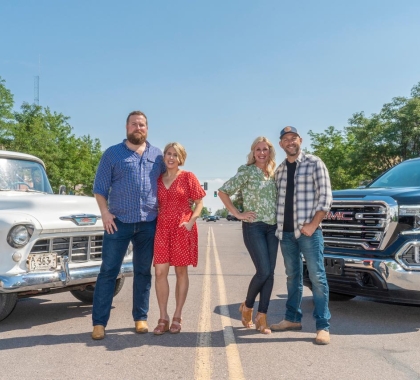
[312, 249]
[115, 245]
[262, 245]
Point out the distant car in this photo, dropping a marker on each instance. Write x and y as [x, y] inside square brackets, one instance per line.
[211, 218]
[232, 218]
[205, 217]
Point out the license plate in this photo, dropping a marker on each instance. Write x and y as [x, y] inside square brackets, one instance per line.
[334, 266]
[42, 261]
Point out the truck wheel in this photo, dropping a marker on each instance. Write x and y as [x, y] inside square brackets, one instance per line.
[7, 304]
[340, 297]
[86, 295]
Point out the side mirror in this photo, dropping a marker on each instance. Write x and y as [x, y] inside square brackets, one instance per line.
[62, 190]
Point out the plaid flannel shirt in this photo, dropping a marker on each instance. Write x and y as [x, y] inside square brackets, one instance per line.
[128, 182]
[312, 191]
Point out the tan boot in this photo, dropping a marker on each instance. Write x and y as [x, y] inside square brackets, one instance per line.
[261, 323]
[322, 337]
[98, 332]
[286, 326]
[141, 327]
[246, 316]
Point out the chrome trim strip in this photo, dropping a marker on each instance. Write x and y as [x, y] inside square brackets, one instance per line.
[58, 279]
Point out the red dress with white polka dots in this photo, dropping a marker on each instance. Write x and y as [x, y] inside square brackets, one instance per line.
[173, 244]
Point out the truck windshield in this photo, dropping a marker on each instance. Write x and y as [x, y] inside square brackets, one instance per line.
[406, 174]
[23, 175]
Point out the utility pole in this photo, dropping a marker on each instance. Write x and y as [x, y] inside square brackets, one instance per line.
[36, 83]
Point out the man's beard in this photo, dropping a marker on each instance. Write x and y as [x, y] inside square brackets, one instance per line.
[136, 138]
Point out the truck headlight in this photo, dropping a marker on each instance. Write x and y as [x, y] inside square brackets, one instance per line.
[19, 235]
[412, 211]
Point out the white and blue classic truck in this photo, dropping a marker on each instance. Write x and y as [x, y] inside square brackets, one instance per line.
[49, 243]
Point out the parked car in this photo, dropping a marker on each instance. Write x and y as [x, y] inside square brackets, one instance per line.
[372, 238]
[48, 243]
[232, 218]
[211, 218]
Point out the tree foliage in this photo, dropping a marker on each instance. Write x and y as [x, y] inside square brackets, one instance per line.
[370, 145]
[70, 160]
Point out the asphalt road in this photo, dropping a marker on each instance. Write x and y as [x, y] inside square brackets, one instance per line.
[49, 337]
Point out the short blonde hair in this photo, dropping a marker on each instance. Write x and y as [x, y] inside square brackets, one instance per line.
[180, 151]
[271, 164]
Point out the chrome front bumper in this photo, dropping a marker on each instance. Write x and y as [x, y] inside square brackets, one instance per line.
[57, 279]
[390, 271]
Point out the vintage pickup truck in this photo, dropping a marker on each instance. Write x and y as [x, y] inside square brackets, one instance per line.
[49, 243]
[372, 238]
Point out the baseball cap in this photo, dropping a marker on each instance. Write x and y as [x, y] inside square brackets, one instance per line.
[288, 129]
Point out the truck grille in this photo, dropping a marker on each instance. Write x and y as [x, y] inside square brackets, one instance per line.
[77, 248]
[358, 224]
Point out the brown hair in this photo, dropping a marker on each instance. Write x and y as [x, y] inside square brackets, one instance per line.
[136, 113]
[271, 165]
[180, 151]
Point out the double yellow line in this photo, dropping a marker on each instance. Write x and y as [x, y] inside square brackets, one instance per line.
[203, 354]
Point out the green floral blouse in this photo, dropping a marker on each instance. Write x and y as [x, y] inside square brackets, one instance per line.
[259, 193]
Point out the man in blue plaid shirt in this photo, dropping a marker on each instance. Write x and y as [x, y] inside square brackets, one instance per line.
[304, 198]
[126, 191]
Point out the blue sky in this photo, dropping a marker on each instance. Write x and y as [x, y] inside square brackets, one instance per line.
[210, 75]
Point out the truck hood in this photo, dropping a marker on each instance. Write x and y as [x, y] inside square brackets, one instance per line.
[403, 195]
[48, 208]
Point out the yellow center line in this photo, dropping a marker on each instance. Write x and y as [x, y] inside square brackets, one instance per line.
[232, 353]
[203, 352]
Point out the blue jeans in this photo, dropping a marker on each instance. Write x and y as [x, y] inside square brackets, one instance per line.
[262, 245]
[312, 248]
[115, 245]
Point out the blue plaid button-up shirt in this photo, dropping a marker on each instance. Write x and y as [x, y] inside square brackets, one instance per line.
[128, 182]
[312, 191]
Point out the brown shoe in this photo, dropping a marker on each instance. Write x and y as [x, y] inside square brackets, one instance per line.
[246, 316]
[286, 326]
[261, 323]
[98, 332]
[322, 337]
[141, 327]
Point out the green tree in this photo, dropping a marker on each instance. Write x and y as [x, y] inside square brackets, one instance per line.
[69, 160]
[370, 145]
[335, 148]
[6, 112]
[222, 212]
[204, 211]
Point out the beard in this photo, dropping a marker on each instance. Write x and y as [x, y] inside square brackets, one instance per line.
[136, 138]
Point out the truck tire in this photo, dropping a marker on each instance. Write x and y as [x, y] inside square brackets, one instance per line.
[86, 295]
[7, 304]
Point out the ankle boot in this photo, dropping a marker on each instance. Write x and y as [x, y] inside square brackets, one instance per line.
[261, 323]
[246, 316]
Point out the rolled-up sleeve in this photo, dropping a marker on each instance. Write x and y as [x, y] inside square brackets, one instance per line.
[323, 187]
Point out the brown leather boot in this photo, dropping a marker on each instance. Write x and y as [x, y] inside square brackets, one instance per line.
[141, 327]
[261, 323]
[98, 332]
[246, 316]
[322, 337]
[286, 326]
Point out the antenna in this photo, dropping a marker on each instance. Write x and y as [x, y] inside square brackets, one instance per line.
[36, 83]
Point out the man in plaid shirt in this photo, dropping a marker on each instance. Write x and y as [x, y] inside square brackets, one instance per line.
[304, 198]
[125, 188]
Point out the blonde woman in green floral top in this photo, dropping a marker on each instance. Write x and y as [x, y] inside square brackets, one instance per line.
[255, 181]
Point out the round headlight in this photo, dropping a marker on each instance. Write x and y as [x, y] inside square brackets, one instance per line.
[19, 235]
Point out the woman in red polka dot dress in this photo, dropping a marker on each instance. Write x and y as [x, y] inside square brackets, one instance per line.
[176, 239]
